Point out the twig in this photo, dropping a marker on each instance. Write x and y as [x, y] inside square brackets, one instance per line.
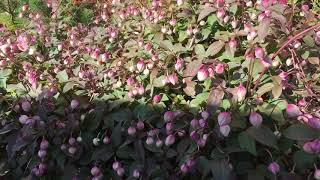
[299, 35]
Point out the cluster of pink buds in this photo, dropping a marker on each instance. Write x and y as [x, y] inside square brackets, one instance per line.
[117, 166]
[312, 147]
[185, 167]
[43, 148]
[224, 119]
[192, 31]
[139, 90]
[96, 173]
[153, 15]
[24, 119]
[72, 146]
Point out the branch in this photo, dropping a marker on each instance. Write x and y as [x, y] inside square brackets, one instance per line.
[297, 36]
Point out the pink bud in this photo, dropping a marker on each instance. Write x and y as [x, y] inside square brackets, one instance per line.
[44, 144]
[225, 130]
[305, 8]
[233, 43]
[136, 173]
[74, 104]
[168, 116]
[221, 13]
[95, 171]
[42, 153]
[173, 22]
[141, 90]
[23, 119]
[220, 3]
[180, 2]
[241, 93]
[131, 130]
[262, 16]
[259, 53]
[255, 119]
[3, 63]
[202, 123]
[302, 102]
[234, 24]
[159, 143]
[149, 140]
[170, 140]
[106, 140]
[224, 118]
[189, 31]
[140, 125]
[194, 123]
[72, 141]
[274, 167]
[156, 98]
[173, 79]
[120, 172]
[317, 174]
[105, 56]
[292, 110]
[169, 127]
[205, 115]
[314, 123]
[26, 106]
[247, 27]
[179, 64]
[116, 165]
[219, 69]
[202, 74]
[72, 150]
[184, 168]
[140, 65]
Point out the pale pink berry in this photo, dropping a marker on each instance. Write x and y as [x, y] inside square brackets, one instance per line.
[170, 140]
[317, 174]
[72, 150]
[42, 153]
[95, 171]
[241, 93]
[156, 98]
[293, 110]
[106, 140]
[202, 74]
[274, 167]
[140, 65]
[224, 118]
[225, 130]
[132, 130]
[23, 119]
[255, 119]
[74, 104]
[26, 106]
[159, 143]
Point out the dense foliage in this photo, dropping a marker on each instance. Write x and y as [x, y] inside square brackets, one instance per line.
[175, 89]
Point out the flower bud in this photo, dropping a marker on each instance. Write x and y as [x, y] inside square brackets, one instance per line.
[205, 115]
[132, 130]
[44, 144]
[189, 31]
[95, 171]
[136, 173]
[72, 150]
[274, 167]
[72, 141]
[293, 111]
[120, 172]
[173, 79]
[317, 174]
[194, 135]
[42, 153]
[184, 168]
[224, 118]
[259, 52]
[221, 13]
[156, 98]
[140, 65]
[179, 64]
[149, 140]
[219, 68]
[23, 119]
[173, 22]
[194, 123]
[302, 102]
[202, 123]
[168, 116]
[79, 139]
[116, 165]
[74, 104]
[169, 127]
[202, 74]
[233, 43]
[180, 2]
[170, 140]
[106, 140]
[314, 123]
[255, 119]
[241, 93]
[225, 130]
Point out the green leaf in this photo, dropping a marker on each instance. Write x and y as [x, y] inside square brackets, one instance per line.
[182, 36]
[263, 135]
[62, 76]
[205, 12]
[200, 98]
[221, 170]
[273, 110]
[214, 48]
[116, 135]
[104, 154]
[303, 160]
[309, 40]
[300, 132]
[199, 50]
[121, 115]
[247, 143]
[264, 89]
[212, 19]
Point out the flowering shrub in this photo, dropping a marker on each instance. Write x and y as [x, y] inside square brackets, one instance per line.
[217, 89]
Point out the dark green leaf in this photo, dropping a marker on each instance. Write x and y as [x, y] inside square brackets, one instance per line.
[247, 143]
[300, 132]
[263, 135]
